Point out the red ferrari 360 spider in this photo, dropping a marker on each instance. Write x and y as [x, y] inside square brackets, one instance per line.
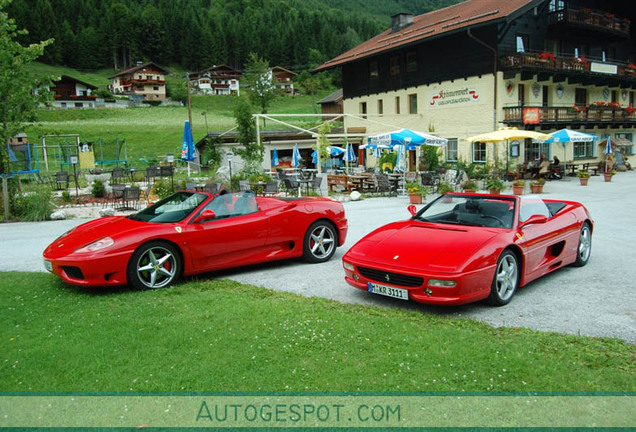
[462, 248]
[190, 232]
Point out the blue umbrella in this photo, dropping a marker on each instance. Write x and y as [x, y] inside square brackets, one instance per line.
[607, 151]
[188, 152]
[335, 151]
[296, 158]
[275, 161]
[567, 135]
[406, 136]
[314, 157]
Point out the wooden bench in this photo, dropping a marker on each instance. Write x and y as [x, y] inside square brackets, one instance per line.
[338, 180]
[595, 168]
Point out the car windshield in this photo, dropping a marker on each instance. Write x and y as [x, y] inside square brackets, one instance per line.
[470, 210]
[174, 208]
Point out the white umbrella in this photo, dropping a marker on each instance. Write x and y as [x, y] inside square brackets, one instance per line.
[350, 156]
[568, 135]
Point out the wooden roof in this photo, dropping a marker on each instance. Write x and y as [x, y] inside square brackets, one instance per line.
[434, 24]
[139, 67]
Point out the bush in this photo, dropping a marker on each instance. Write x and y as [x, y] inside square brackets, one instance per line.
[152, 102]
[162, 188]
[98, 190]
[35, 205]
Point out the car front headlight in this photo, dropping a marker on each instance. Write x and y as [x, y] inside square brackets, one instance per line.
[348, 266]
[442, 283]
[96, 245]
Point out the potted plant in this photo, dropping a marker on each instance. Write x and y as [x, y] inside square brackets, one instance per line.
[415, 191]
[537, 186]
[584, 177]
[609, 174]
[445, 187]
[517, 187]
[470, 186]
[495, 185]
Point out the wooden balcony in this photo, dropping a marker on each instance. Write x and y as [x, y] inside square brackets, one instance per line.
[590, 20]
[581, 70]
[562, 117]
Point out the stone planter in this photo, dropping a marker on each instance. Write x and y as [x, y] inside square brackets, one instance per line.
[537, 189]
[415, 198]
[584, 180]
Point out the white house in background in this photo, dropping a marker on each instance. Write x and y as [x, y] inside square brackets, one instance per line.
[147, 80]
[69, 92]
[216, 80]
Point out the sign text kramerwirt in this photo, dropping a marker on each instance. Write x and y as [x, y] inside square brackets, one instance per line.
[453, 97]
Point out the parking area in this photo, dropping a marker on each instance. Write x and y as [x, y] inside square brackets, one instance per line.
[596, 300]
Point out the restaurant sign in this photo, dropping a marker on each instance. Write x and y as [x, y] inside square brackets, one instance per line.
[453, 97]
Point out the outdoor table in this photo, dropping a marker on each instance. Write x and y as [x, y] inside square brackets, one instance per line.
[572, 167]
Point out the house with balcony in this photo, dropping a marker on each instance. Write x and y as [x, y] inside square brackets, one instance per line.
[69, 92]
[283, 79]
[216, 80]
[144, 81]
[481, 65]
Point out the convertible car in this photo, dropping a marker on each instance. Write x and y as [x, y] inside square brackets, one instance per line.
[191, 232]
[463, 248]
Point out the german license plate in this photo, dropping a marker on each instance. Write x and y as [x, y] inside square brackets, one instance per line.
[48, 265]
[388, 291]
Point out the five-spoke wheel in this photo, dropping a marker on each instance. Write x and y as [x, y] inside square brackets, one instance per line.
[585, 246]
[320, 242]
[506, 279]
[154, 265]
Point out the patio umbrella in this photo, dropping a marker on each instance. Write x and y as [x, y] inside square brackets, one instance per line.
[507, 134]
[567, 135]
[406, 136]
[275, 160]
[350, 155]
[188, 151]
[296, 158]
[607, 151]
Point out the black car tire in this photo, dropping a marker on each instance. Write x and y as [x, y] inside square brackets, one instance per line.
[320, 242]
[506, 279]
[156, 264]
[584, 248]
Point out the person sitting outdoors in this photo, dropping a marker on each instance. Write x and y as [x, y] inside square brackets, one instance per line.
[544, 167]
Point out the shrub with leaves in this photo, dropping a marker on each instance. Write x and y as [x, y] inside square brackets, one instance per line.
[34, 205]
[98, 190]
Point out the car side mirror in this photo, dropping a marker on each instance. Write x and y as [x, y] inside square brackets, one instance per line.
[206, 215]
[534, 219]
[412, 209]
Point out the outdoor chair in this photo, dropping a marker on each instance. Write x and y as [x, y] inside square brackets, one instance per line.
[314, 185]
[386, 185]
[130, 198]
[115, 196]
[271, 188]
[190, 186]
[118, 176]
[292, 186]
[61, 178]
[244, 186]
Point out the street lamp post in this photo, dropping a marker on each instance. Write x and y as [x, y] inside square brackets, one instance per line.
[204, 114]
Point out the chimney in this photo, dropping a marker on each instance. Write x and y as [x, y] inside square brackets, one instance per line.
[400, 21]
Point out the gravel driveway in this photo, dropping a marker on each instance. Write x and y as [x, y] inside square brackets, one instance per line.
[596, 300]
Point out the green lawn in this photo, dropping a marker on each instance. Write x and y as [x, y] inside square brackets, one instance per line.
[151, 132]
[216, 335]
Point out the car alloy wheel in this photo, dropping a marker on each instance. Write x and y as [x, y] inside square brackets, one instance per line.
[154, 265]
[506, 279]
[320, 242]
[585, 246]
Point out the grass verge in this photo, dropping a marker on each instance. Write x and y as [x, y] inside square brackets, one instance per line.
[218, 335]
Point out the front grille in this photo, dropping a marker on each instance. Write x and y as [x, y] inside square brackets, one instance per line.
[394, 278]
[73, 272]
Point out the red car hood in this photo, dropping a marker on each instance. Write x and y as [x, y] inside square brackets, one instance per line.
[115, 227]
[423, 246]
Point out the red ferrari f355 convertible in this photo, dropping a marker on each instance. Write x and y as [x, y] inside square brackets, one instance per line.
[190, 232]
[463, 248]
